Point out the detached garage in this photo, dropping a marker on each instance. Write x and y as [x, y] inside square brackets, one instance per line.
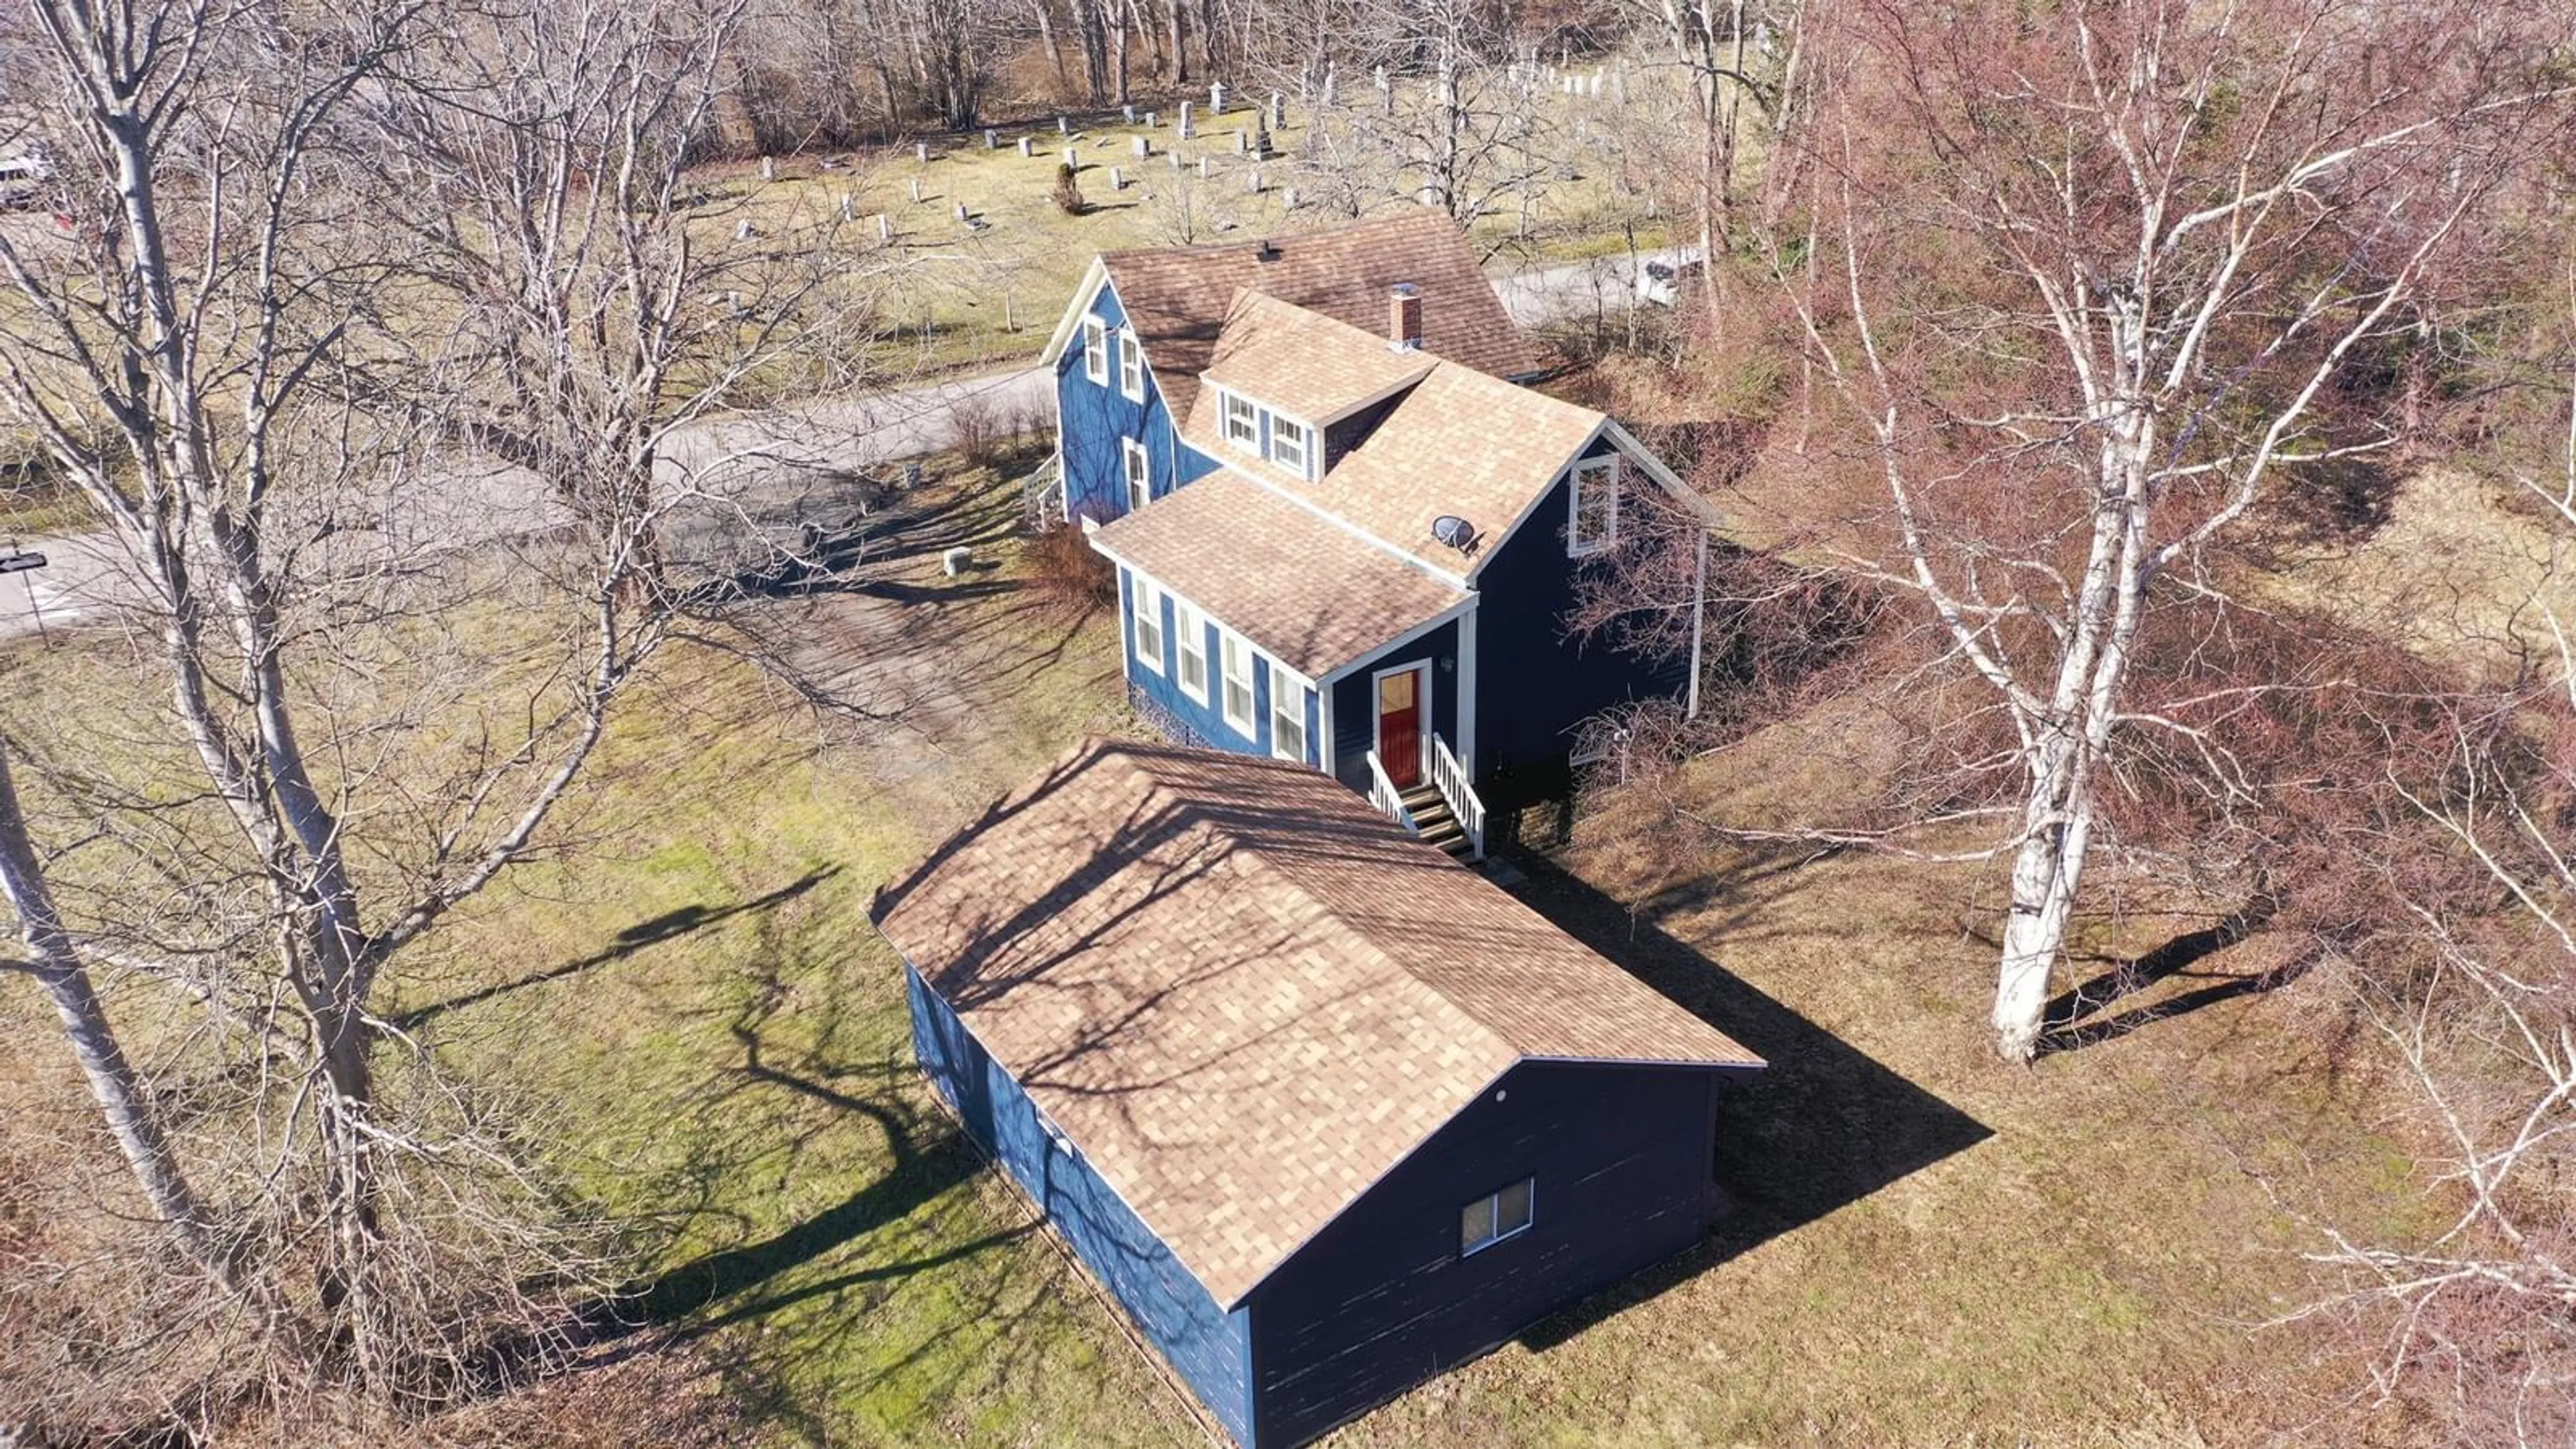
[1325, 1111]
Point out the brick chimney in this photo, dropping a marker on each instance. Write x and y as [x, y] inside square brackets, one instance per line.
[1404, 317]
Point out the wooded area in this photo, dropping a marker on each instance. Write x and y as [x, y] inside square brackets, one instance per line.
[2034, 356]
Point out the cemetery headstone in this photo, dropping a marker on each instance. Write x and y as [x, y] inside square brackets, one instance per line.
[1144, 145]
[991, 141]
[1024, 147]
[1117, 179]
[1129, 113]
[885, 227]
[921, 152]
[1216, 99]
[768, 168]
[1062, 128]
[1186, 131]
[1252, 181]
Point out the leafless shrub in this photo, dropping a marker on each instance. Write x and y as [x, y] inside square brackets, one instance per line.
[1073, 577]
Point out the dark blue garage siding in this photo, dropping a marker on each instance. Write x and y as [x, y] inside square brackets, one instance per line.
[1209, 1348]
[1380, 1300]
[1094, 416]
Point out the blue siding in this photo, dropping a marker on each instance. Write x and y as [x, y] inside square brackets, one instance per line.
[1094, 416]
[1534, 683]
[1380, 1300]
[1207, 1347]
[1206, 723]
[1355, 706]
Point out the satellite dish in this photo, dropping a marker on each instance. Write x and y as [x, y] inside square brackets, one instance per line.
[1454, 531]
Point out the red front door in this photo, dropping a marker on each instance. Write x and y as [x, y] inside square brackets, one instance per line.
[1399, 727]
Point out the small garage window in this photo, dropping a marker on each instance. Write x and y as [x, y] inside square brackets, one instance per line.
[1490, 1219]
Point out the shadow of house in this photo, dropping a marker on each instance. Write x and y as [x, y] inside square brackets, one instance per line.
[1825, 1127]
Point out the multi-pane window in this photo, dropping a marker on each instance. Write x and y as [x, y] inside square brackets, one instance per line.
[1095, 350]
[1138, 469]
[1287, 717]
[1595, 525]
[1189, 628]
[1288, 444]
[1131, 365]
[1488, 1220]
[1238, 682]
[1242, 421]
[1146, 603]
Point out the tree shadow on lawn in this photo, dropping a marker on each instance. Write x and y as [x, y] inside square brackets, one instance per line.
[2068, 1029]
[1825, 1126]
[918, 1172]
[670, 925]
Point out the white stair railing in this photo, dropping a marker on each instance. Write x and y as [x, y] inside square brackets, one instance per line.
[1388, 799]
[1451, 779]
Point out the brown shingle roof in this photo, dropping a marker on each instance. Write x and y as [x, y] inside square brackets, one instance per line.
[1311, 594]
[1177, 298]
[1459, 443]
[1244, 995]
[1302, 362]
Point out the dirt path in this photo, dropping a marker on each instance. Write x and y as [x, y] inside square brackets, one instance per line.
[950, 685]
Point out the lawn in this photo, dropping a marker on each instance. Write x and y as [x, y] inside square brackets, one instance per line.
[990, 292]
[1928, 1248]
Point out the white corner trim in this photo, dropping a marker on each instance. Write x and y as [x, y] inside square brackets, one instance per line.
[1085, 293]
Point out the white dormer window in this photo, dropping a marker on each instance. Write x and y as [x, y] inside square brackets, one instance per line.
[1095, 350]
[1131, 365]
[1139, 470]
[1242, 422]
[1289, 444]
[1594, 521]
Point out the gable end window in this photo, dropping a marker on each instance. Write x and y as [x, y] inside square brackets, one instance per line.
[1237, 660]
[1131, 365]
[1095, 350]
[1490, 1219]
[1242, 422]
[1288, 444]
[1139, 466]
[1594, 524]
[1146, 603]
[1189, 629]
[1287, 716]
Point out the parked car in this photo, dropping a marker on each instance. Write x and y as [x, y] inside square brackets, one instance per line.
[22, 179]
[1661, 280]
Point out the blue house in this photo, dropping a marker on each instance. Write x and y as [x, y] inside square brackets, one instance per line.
[1354, 543]
[1324, 1111]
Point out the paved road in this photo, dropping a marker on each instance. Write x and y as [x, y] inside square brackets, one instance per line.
[89, 575]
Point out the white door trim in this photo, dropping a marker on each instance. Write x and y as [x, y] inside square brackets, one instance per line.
[1422, 702]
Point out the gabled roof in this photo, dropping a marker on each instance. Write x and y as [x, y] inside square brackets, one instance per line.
[1310, 593]
[1458, 442]
[1177, 298]
[1245, 996]
[1304, 363]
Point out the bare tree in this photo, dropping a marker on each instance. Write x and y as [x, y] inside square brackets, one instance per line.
[2103, 282]
[375, 340]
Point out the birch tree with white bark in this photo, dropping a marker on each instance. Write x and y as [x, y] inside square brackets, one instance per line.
[2100, 283]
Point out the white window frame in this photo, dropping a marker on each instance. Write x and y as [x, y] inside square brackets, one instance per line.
[1095, 349]
[1137, 467]
[1603, 467]
[1234, 649]
[1250, 442]
[1189, 628]
[1145, 615]
[1492, 1203]
[1131, 365]
[1305, 444]
[1285, 683]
